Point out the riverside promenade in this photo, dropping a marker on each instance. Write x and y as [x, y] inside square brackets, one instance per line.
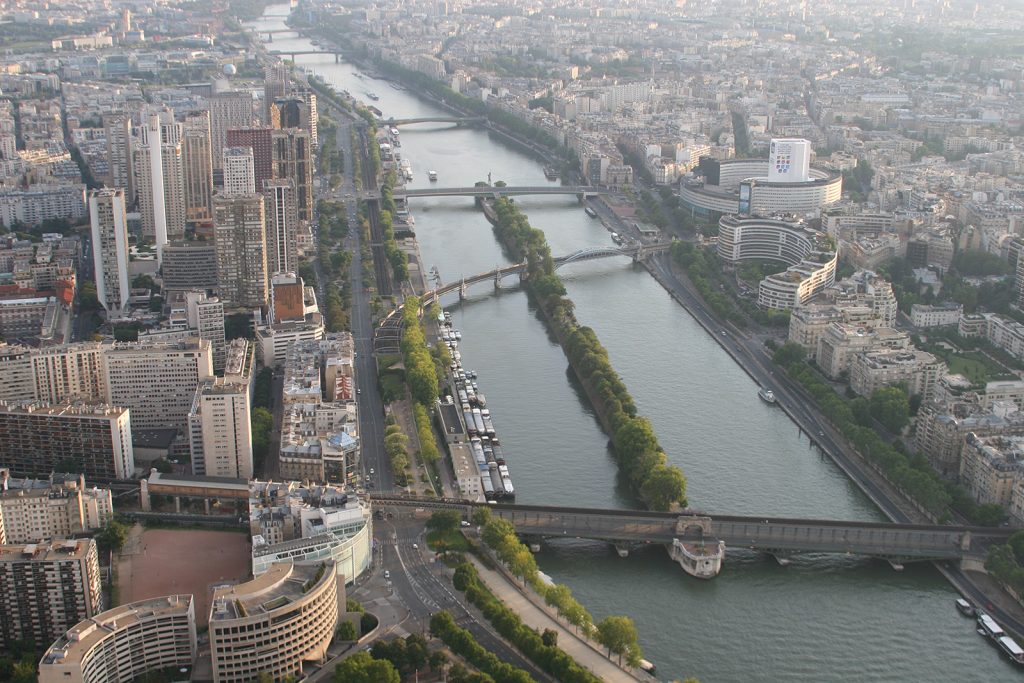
[535, 614]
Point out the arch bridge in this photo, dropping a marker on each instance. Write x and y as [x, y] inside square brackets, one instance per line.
[461, 120]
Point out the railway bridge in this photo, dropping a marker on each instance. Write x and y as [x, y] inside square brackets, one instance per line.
[780, 537]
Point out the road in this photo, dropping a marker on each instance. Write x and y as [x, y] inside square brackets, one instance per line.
[425, 587]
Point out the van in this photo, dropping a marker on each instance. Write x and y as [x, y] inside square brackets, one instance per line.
[465, 523]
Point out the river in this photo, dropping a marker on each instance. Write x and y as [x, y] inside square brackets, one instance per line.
[819, 619]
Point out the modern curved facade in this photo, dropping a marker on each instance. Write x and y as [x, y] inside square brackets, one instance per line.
[742, 186]
[809, 253]
[274, 623]
[124, 643]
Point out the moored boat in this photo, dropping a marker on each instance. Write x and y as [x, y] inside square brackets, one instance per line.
[987, 626]
[432, 175]
[1011, 648]
[965, 608]
[590, 211]
[766, 395]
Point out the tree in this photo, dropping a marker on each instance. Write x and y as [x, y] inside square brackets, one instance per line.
[619, 635]
[87, 297]
[362, 668]
[891, 407]
[112, 536]
[481, 516]
[789, 353]
[665, 485]
[444, 521]
[549, 638]
[438, 660]
[347, 631]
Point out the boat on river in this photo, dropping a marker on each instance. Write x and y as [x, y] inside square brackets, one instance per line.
[432, 175]
[590, 211]
[965, 608]
[988, 627]
[767, 395]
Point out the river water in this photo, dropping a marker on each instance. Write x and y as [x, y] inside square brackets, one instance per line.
[819, 619]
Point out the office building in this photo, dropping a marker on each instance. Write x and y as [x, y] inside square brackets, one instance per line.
[811, 255]
[239, 172]
[304, 523]
[95, 440]
[118, 131]
[109, 222]
[197, 168]
[240, 238]
[157, 380]
[293, 160]
[789, 160]
[275, 623]
[125, 643]
[190, 265]
[261, 142]
[282, 226]
[275, 86]
[227, 110]
[36, 510]
[45, 589]
[298, 111]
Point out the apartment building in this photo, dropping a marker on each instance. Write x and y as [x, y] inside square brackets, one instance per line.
[240, 239]
[156, 380]
[125, 643]
[220, 431]
[918, 370]
[991, 467]
[190, 265]
[47, 588]
[95, 440]
[841, 341]
[941, 315]
[35, 510]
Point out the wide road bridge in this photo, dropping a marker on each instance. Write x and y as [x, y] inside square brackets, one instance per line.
[491, 191]
[293, 53]
[781, 537]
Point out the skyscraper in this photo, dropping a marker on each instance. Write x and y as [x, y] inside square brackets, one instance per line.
[240, 238]
[150, 185]
[292, 158]
[261, 142]
[118, 130]
[197, 165]
[239, 173]
[227, 110]
[220, 431]
[160, 182]
[110, 250]
[282, 226]
[298, 111]
[275, 86]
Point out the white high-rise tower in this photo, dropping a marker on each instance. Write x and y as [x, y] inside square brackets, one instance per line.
[110, 250]
[156, 179]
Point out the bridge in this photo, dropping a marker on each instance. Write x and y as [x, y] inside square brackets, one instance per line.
[780, 537]
[460, 120]
[490, 191]
[292, 53]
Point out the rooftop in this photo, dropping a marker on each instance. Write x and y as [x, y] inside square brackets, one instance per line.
[282, 584]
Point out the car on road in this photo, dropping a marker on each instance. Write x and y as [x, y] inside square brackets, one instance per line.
[415, 547]
[371, 470]
[387, 574]
[465, 523]
[359, 391]
[821, 433]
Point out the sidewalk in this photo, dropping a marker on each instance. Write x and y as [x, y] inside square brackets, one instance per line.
[534, 617]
